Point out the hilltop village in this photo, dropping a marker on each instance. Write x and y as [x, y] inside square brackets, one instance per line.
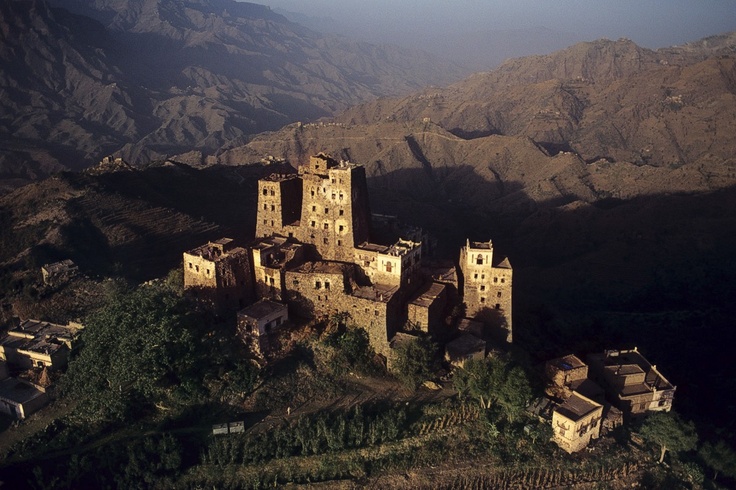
[314, 258]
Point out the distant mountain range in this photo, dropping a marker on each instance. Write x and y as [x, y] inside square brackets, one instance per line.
[599, 120]
[150, 78]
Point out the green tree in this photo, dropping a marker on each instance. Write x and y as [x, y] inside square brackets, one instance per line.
[351, 351]
[139, 350]
[495, 382]
[720, 458]
[669, 432]
[414, 361]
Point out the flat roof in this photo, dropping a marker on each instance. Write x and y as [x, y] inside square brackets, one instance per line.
[577, 406]
[378, 292]
[18, 391]
[428, 294]
[624, 369]
[568, 362]
[372, 247]
[481, 245]
[464, 345]
[321, 266]
[262, 309]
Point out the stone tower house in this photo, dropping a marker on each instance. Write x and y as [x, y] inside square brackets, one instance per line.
[325, 205]
[487, 286]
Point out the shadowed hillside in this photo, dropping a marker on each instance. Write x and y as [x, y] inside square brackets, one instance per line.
[81, 79]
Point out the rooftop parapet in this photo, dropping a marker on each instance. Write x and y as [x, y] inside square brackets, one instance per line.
[280, 177]
[217, 250]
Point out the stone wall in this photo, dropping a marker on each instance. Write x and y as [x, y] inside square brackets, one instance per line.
[279, 204]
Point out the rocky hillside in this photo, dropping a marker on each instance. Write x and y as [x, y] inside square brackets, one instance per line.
[608, 100]
[84, 78]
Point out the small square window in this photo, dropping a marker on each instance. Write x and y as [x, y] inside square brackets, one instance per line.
[482, 287]
[475, 276]
[342, 212]
[327, 226]
[314, 223]
[273, 208]
[498, 306]
[190, 265]
[498, 295]
[495, 279]
[327, 210]
[325, 241]
[339, 242]
[317, 285]
[342, 227]
[503, 280]
[482, 300]
[314, 208]
[327, 284]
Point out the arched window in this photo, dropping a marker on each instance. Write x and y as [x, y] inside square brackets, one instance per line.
[479, 260]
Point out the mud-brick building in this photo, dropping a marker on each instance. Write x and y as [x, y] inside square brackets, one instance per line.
[631, 383]
[219, 273]
[487, 287]
[576, 422]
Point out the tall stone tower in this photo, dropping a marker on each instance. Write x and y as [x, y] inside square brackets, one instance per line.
[335, 214]
[487, 286]
[279, 205]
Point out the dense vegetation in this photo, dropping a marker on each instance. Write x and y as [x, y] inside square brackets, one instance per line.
[155, 372]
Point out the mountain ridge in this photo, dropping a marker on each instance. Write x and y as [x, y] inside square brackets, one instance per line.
[161, 77]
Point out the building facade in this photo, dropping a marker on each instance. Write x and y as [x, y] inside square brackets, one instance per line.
[487, 287]
[576, 422]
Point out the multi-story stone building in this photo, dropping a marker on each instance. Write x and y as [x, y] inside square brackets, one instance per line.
[325, 205]
[632, 384]
[576, 421]
[487, 286]
[220, 274]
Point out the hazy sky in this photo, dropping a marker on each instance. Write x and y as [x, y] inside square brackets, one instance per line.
[469, 29]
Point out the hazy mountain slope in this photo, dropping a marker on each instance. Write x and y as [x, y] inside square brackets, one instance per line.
[161, 77]
[605, 99]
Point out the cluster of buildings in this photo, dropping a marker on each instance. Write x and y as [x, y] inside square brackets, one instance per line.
[32, 344]
[314, 257]
[587, 400]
